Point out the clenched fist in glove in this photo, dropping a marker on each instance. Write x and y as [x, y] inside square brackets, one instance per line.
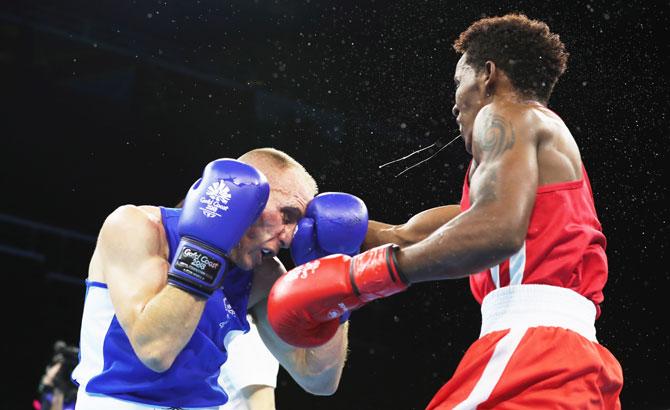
[305, 304]
[218, 209]
[334, 222]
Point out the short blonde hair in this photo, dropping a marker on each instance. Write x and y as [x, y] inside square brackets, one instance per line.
[281, 160]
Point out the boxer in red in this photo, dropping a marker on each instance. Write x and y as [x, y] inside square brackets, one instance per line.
[526, 234]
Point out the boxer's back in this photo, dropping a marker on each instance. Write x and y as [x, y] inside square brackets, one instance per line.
[558, 156]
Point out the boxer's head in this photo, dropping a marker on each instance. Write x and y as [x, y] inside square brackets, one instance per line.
[504, 54]
[291, 189]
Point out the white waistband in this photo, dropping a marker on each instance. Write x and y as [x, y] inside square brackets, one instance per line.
[538, 305]
[87, 401]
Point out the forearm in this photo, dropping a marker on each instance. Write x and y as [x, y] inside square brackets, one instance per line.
[164, 326]
[468, 244]
[320, 368]
[414, 230]
[317, 370]
[379, 233]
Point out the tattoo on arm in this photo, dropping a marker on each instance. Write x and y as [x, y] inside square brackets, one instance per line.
[497, 136]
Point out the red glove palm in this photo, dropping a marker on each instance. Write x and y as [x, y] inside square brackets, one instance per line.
[304, 305]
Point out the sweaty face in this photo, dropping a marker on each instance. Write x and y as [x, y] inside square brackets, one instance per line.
[273, 230]
[469, 99]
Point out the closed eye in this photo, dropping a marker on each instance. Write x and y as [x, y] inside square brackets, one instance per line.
[290, 215]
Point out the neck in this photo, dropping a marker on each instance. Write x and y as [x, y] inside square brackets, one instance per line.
[515, 98]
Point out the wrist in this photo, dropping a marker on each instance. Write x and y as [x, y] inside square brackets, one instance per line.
[196, 267]
[184, 286]
[375, 273]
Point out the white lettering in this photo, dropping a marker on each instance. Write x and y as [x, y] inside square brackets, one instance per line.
[200, 261]
[303, 271]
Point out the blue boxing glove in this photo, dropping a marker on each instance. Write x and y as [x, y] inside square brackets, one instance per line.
[218, 209]
[334, 222]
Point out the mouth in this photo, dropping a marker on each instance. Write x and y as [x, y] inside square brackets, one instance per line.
[267, 253]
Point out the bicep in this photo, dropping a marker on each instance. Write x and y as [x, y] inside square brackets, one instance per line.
[505, 180]
[291, 358]
[264, 277]
[133, 267]
[295, 360]
[282, 351]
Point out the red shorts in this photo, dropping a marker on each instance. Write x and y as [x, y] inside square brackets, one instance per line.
[538, 351]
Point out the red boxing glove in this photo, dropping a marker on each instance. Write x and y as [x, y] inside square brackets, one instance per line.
[305, 304]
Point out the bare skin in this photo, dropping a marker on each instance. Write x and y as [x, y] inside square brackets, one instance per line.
[131, 257]
[259, 397]
[517, 144]
[414, 230]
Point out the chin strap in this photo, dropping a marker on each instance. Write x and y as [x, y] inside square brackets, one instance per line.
[437, 143]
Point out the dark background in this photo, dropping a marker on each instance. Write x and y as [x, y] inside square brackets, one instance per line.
[112, 102]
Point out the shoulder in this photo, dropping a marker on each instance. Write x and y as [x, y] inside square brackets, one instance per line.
[501, 126]
[134, 218]
[506, 116]
[265, 276]
[270, 267]
[267, 273]
[131, 225]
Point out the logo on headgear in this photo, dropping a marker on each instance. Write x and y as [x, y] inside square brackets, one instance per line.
[218, 194]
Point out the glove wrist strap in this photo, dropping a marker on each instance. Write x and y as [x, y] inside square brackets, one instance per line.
[197, 267]
[374, 274]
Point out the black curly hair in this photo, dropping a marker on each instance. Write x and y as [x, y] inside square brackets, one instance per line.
[526, 50]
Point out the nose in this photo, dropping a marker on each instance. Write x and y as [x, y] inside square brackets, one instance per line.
[285, 235]
[455, 111]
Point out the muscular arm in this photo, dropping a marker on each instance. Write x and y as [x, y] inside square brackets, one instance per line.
[414, 230]
[502, 194]
[159, 320]
[317, 370]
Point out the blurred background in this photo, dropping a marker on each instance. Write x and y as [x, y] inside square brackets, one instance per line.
[106, 103]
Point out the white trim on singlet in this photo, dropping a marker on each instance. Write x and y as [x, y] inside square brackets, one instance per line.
[96, 320]
[495, 275]
[517, 267]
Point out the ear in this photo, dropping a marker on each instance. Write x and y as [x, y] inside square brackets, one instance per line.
[490, 74]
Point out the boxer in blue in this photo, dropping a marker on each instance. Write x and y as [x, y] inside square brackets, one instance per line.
[168, 289]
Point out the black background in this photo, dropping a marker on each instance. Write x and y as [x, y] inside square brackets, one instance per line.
[112, 102]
